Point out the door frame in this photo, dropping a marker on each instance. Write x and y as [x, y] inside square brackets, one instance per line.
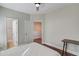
[6, 29]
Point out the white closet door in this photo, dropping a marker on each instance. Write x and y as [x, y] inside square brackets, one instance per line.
[26, 25]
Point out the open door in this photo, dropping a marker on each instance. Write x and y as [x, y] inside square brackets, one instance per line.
[37, 32]
[15, 32]
[12, 32]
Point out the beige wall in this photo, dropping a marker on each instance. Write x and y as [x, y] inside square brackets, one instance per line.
[37, 26]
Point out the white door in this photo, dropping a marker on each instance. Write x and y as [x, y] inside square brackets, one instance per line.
[15, 32]
[26, 37]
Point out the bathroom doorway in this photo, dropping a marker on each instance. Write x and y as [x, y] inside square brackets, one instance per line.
[38, 32]
[12, 32]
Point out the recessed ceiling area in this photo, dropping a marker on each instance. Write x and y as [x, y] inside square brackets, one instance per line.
[31, 9]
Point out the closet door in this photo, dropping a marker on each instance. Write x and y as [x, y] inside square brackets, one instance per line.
[26, 31]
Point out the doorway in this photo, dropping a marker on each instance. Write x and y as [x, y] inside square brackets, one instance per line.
[12, 32]
[38, 32]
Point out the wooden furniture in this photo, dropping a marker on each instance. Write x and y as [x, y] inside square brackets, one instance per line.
[58, 50]
[65, 41]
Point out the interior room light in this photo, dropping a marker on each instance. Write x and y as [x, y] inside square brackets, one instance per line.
[37, 4]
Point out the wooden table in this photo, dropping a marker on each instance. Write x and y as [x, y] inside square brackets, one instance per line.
[65, 41]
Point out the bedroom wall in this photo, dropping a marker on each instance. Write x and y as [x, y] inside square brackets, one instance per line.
[62, 24]
[23, 25]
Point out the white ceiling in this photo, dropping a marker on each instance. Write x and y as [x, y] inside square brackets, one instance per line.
[31, 9]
